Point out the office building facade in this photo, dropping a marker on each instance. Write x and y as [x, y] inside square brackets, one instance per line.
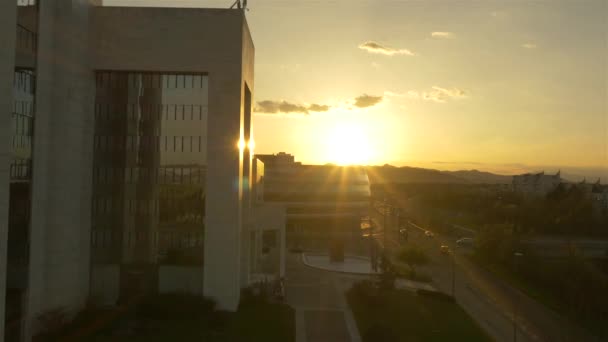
[124, 147]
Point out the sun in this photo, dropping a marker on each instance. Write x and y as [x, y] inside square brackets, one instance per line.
[348, 144]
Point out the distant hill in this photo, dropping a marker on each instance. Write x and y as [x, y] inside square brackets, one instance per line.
[476, 176]
[406, 174]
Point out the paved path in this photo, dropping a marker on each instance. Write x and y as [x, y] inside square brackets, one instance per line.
[322, 313]
[351, 264]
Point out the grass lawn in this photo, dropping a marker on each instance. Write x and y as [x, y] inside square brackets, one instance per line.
[191, 318]
[410, 317]
[520, 283]
[594, 326]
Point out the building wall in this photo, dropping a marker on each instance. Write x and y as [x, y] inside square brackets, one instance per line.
[8, 21]
[60, 226]
[248, 53]
[186, 279]
[156, 39]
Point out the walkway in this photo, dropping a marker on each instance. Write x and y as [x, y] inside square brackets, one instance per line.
[322, 313]
[351, 264]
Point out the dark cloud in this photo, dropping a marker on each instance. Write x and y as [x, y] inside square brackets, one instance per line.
[365, 101]
[284, 107]
[318, 108]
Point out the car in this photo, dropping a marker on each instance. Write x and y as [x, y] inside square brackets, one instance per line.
[429, 233]
[465, 241]
[444, 249]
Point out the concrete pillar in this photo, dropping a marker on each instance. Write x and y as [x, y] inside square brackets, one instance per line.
[8, 24]
[62, 174]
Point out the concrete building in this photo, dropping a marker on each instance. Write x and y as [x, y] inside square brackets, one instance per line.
[324, 203]
[134, 110]
[538, 184]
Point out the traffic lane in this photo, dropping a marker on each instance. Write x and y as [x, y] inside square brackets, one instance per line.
[496, 321]
[536, 321]
[532, 316]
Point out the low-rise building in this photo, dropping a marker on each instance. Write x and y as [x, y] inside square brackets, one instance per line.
[324, 203]
[536, 184]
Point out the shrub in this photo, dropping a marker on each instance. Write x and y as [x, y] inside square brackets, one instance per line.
[413, 257]
[175, 306]
[379, 333]
[364, 289]
[435, 294]
[52, 321]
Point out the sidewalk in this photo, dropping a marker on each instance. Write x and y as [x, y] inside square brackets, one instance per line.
[318, 297]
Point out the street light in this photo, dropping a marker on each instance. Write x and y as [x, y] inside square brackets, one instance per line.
[517, 259]
[453, 255]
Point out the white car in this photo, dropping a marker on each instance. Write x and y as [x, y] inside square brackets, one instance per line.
[465, 242]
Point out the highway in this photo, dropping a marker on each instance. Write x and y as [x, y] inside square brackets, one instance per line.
[504, 312]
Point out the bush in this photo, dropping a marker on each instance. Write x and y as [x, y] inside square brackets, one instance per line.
[413, 257]
[435, 294]
[174, 306]
[364, 289]
[379, 333]
[52, 322]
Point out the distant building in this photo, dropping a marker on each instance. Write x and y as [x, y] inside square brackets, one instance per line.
[538, 184]
[323, 202]
[599, 195]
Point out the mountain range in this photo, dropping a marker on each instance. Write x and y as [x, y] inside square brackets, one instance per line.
[407, 174]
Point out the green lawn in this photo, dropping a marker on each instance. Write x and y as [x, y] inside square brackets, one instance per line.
[177, 317]
[520, 283]
[262, 323]
[400, 315]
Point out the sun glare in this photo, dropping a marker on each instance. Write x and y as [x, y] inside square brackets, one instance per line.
[348, 145]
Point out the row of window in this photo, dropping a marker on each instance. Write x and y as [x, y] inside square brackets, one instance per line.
[24, 108]
[149, 143]
[135, 112]
[22, 125]
[24, 81]
[175, 209]
[108, 238]
[161, 175]
[22, 142]
[26, 39]
[315, 197]
[150, 80]
[20, 169]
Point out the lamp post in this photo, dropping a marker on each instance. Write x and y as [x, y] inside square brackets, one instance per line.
[517, 256]
[384, 230]
[452, 254]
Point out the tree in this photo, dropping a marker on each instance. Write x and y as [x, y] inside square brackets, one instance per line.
[413, 257]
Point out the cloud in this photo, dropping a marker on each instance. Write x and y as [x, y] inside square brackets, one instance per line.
[318, 108]
[284, 107]
[438, 94]
[373, 47]
[529, 46]
[442, 34]
[365, 101]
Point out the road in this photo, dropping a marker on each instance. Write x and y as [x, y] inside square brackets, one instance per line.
[494, 304]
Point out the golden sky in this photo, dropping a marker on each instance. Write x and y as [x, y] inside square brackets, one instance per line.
[505, 84]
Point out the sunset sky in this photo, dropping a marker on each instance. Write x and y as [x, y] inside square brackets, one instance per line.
[497, 85]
